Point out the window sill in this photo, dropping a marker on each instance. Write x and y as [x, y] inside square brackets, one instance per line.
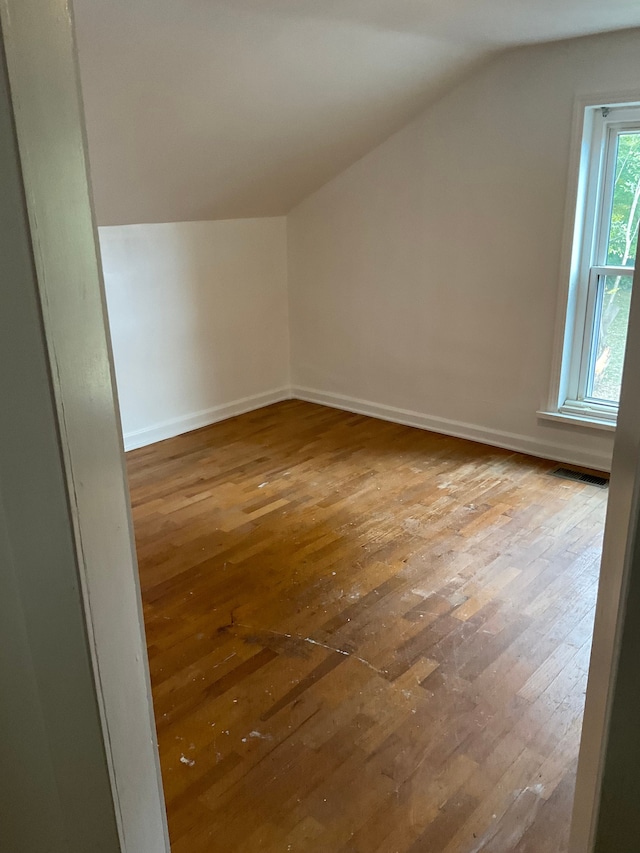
[591, 421]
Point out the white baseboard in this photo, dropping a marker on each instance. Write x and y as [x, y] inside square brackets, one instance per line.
[496, 438]
[196, 420]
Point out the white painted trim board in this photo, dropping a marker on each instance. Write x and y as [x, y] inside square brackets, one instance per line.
[41, 60]
[458, 429]
[206, 417]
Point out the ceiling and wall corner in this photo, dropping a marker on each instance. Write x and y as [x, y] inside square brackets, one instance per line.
[222, 109]
[421, 281]
[424, 279]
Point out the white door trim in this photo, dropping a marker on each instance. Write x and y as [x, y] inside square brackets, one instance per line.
[42, 67]
[620, 532]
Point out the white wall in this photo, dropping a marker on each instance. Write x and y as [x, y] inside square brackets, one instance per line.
[425, 277]
[199, 321]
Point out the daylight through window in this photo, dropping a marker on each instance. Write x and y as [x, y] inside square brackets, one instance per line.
[605, 245]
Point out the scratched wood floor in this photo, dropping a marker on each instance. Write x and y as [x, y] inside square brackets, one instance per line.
[363, 638]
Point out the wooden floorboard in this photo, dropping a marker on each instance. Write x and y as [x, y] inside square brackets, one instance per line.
[363, 638]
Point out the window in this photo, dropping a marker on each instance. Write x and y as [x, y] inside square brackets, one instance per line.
[605, 241]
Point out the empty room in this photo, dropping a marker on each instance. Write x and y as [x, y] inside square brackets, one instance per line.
[368, 271]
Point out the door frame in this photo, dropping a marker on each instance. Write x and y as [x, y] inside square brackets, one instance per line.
[41, 61]
[621, 532]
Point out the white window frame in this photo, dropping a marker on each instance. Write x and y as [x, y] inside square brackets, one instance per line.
[584, 251]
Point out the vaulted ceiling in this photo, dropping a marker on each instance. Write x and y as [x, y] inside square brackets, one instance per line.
[215, 109]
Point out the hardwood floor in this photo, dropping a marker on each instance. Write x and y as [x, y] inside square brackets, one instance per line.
[363, 638]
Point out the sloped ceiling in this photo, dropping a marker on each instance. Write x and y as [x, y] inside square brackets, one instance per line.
[216, 109]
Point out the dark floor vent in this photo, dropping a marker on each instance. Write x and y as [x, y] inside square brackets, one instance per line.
[580, 477]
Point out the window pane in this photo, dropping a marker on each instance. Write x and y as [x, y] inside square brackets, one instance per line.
[625, 212]
[612, 320]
